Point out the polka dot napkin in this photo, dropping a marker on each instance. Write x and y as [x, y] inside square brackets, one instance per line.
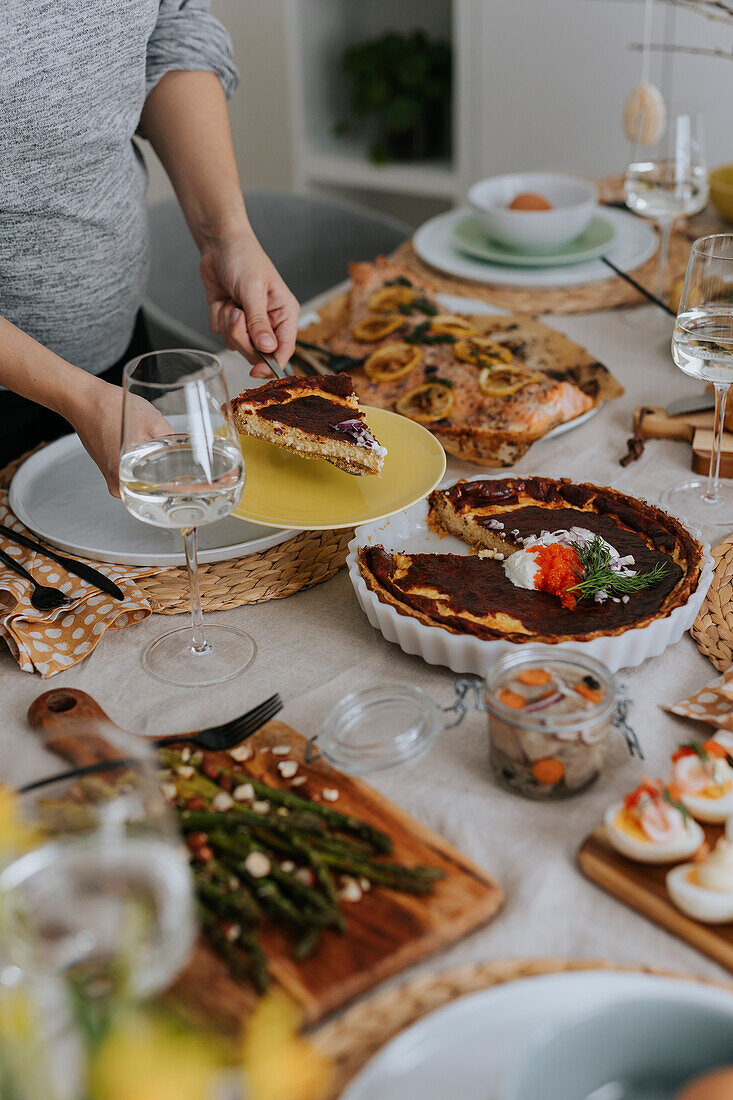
[713, 703]
[48, 642]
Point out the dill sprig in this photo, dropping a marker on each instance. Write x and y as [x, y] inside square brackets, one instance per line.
[680, 806]
[596, 574]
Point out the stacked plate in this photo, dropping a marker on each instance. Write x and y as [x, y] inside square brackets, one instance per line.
[458, 244]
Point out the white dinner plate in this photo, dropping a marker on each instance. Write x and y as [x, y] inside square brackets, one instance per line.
[60, 495]
[634, 244]
[465, 1048]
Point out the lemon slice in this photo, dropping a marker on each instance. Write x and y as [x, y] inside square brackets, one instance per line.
[482, 352]
[376, 328]
[390, 298]
[431, 401]
[392, 362]
[503, 381]
[452, 325]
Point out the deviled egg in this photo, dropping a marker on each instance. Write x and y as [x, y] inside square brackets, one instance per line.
[704, 890]
[704, 778]
[652, 826]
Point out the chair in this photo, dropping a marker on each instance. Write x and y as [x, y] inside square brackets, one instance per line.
[310, 239]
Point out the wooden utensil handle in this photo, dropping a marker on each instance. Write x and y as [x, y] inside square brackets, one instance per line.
[73, 725]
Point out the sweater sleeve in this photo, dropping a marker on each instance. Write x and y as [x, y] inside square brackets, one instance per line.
[187, 36]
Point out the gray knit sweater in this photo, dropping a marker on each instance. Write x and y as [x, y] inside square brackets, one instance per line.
[74, 75]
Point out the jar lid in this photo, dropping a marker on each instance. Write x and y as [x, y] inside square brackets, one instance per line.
[379, 727]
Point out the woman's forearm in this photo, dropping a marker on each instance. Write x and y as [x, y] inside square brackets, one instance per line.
[32, 371]
[185, 119]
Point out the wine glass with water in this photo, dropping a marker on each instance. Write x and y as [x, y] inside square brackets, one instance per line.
[181, 465]
[102, 896]
[667, 177]
[702, 346]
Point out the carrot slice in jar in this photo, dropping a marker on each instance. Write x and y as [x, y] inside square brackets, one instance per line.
[593, 695]
[512, 699]
[548, 771]
[534, 677]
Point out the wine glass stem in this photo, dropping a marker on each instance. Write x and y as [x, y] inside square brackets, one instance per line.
[665, 231]
[198, 637]
[721, 394]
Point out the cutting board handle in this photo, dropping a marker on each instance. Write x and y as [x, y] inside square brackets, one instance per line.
[72, 724]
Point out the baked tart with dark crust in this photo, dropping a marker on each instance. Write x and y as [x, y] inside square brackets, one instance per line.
[473, 594]
[313, 418]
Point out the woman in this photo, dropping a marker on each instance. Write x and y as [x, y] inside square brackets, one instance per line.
[79, 80]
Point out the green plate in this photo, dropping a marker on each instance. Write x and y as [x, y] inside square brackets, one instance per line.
[470, 236]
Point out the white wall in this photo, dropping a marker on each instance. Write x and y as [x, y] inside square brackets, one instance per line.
[555, 74]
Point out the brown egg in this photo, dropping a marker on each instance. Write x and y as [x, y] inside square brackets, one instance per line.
[715, 1085]
[529, 200]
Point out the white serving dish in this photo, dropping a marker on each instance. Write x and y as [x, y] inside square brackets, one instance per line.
[635, 242]
[466, 654]
[466, 1048]
[573, 203]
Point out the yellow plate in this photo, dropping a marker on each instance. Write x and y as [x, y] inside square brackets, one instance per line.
[284, 490]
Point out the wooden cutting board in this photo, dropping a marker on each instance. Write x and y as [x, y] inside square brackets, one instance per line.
[387, 931]
[694, 428]
[642, 887]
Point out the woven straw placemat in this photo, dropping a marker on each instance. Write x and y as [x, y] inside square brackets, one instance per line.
[713, 627]
[352, 1039]
[306, 559]
[573, 299]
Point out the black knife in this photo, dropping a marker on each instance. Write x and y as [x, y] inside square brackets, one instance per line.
[71, 565]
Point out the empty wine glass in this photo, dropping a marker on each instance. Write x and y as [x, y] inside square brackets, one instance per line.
[102, 897]
[667, 177]
[702, 346]
[181, 465]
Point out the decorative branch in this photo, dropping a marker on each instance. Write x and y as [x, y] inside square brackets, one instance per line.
[702, 51]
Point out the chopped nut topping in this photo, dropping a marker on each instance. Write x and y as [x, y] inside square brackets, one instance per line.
[287, 768]
[262, 806]
[240, 753]
[245, 792]
[287, 866]
[185, 771]
[169, 791]
[305, 875]
[281, 750]
[299, 781]
[350, 889]
[330, 794]
[222, 802]
[257, 864]
[185, 754]
[365, 884]
[231, 931]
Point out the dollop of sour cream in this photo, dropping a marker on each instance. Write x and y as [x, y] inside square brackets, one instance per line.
[716, 872]
[522, 569]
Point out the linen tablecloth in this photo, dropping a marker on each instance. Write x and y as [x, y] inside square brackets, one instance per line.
[317, 645]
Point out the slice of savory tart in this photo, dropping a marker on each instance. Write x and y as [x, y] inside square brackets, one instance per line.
[313, 418]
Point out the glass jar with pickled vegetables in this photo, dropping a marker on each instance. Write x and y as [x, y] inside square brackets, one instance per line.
[550, 715]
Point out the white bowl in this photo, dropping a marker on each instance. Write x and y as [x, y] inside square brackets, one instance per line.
[573, 206]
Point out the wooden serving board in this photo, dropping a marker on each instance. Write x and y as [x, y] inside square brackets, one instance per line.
[387, 931]
[694, 428]
[642, 887]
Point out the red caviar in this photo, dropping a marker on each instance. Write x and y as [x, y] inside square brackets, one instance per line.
[559, 569]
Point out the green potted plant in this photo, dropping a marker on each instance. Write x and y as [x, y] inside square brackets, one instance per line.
[400, 88]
